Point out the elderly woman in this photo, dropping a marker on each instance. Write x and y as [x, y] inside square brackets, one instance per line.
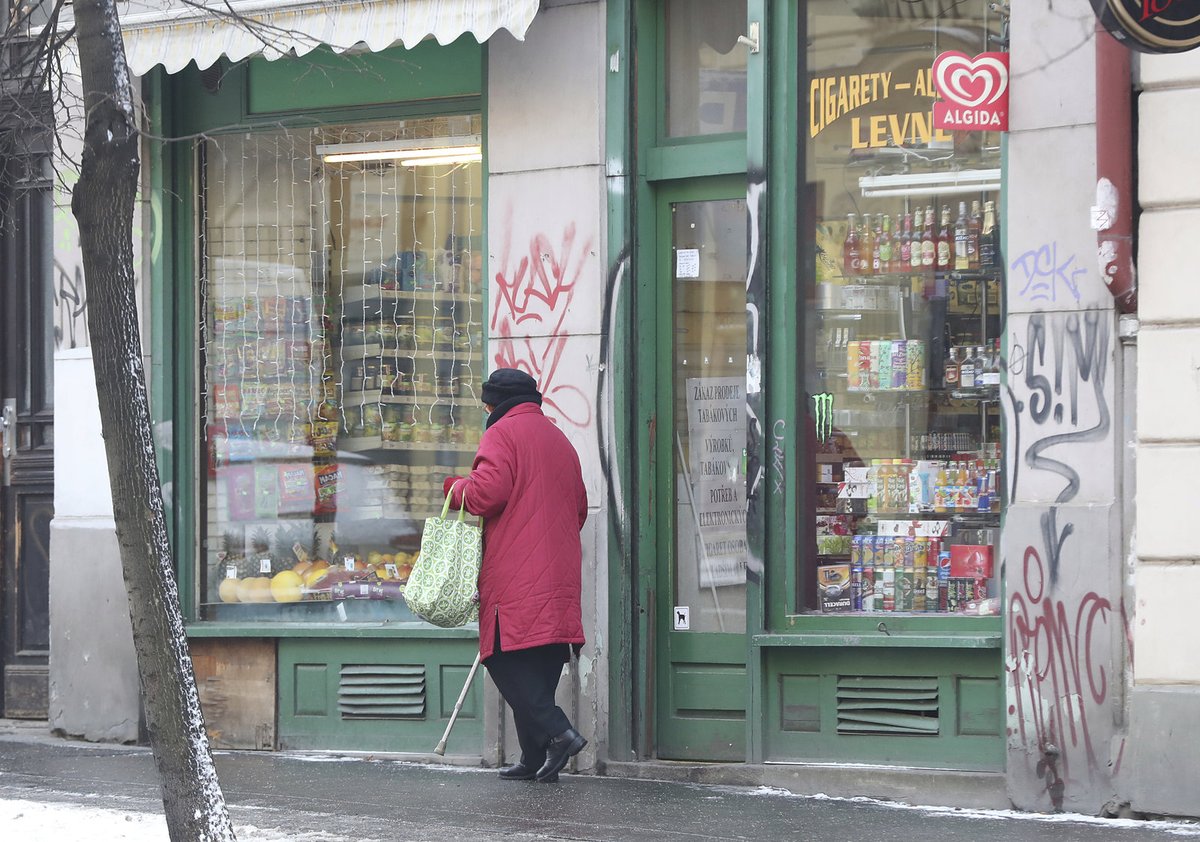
[527, 486]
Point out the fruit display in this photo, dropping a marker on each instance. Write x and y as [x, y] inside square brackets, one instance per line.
[375, 575]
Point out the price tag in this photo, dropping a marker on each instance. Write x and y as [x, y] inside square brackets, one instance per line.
[392, 571]
[341, 612]
[364, 590]
[348, 563]
[231, 571]
[264, 566]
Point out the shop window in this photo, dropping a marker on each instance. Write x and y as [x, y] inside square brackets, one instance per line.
[341, 348]
[905, 477]
[705, 68]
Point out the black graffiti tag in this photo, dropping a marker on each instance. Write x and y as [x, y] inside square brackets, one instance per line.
[1088, 347]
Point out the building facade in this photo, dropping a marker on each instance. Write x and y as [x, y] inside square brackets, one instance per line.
[857, 411]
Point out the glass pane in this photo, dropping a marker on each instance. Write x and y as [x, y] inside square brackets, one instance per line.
[708, 261]
[705, 68]
[903, 320]
[342, 342]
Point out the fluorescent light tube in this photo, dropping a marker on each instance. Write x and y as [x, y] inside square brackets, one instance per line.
[442, 159]
[944, 190]
[930, 183]
[389, 150]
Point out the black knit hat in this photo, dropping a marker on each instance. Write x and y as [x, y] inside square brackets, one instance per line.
[506, 383]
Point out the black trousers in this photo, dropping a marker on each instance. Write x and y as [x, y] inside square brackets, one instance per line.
[527, 679]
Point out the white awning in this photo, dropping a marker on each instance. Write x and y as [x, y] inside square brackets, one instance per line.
[173, 32]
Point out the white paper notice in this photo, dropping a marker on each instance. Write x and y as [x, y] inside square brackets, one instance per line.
[717, 441]
[687, 263]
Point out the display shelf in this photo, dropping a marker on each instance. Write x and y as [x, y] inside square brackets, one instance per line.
[358, 444]
[369, 292]
[446, 354]
[378, 396]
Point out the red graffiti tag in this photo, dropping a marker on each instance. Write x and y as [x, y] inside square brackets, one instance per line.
[535, 297]
[1056, 673]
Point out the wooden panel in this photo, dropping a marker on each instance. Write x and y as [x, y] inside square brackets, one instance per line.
[236, 680]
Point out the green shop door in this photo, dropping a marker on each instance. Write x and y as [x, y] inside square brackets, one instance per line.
[699, 446]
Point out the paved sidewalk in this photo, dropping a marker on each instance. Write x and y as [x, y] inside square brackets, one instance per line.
[333, 798]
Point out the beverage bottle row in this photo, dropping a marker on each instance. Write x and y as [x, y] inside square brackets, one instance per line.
[903, 486]
[973, 366]
[970, 243]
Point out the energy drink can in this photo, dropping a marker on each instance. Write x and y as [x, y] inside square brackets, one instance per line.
[883, 379]
[904, 590]
[943, 570]
[868, 589]
[868, 550]
[862, 364]
[856, 574]
[887, 586]
[899, 365]
[931, 587]
[916, 364]
[920, 573]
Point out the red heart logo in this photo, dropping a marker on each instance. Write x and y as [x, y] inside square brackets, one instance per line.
[971, 82]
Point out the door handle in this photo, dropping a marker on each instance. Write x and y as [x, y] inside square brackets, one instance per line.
[8, 429]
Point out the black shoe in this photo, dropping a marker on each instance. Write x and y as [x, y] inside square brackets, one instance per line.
[518, 772]
[561, 749]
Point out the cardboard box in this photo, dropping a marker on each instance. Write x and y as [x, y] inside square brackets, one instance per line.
[833, 587]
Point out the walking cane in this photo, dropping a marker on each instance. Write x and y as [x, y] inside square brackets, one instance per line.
[441, 747]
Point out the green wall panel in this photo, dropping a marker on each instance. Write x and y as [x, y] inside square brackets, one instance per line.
[312, 670]
[809, 720]
[979, 701]
[799, 702]
[322, 79]
[310, 694]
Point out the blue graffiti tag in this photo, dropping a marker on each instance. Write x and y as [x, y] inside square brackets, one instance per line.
[1043, 273]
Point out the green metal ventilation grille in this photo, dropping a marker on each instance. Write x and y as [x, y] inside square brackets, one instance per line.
[381, 691]
[880, 704]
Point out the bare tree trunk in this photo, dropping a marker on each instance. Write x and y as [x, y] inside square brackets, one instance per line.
[103, 204]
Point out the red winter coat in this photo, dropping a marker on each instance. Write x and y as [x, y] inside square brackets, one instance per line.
[527, 485]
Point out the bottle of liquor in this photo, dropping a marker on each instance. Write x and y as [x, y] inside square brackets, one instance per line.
[885, 244]
[914, 251]
[974, 226]
[945, 242]
[905, 244]
[989, 238]
[966, 368]
[980, 367]
[991, 372]
[928, 246]
[961, 260]
[852, 248]
[877, 266]
[952, 369]
[898, 262]
[868, 245]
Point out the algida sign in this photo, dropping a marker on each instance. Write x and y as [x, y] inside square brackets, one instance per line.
[1152, 26]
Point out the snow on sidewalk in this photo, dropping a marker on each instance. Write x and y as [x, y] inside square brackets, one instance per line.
[64, 822]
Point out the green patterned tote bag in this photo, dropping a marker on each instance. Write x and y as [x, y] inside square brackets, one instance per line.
[442, 586]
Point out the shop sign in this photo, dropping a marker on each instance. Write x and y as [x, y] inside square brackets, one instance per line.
[907, 118]
[1152, 26]
[974, 92]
